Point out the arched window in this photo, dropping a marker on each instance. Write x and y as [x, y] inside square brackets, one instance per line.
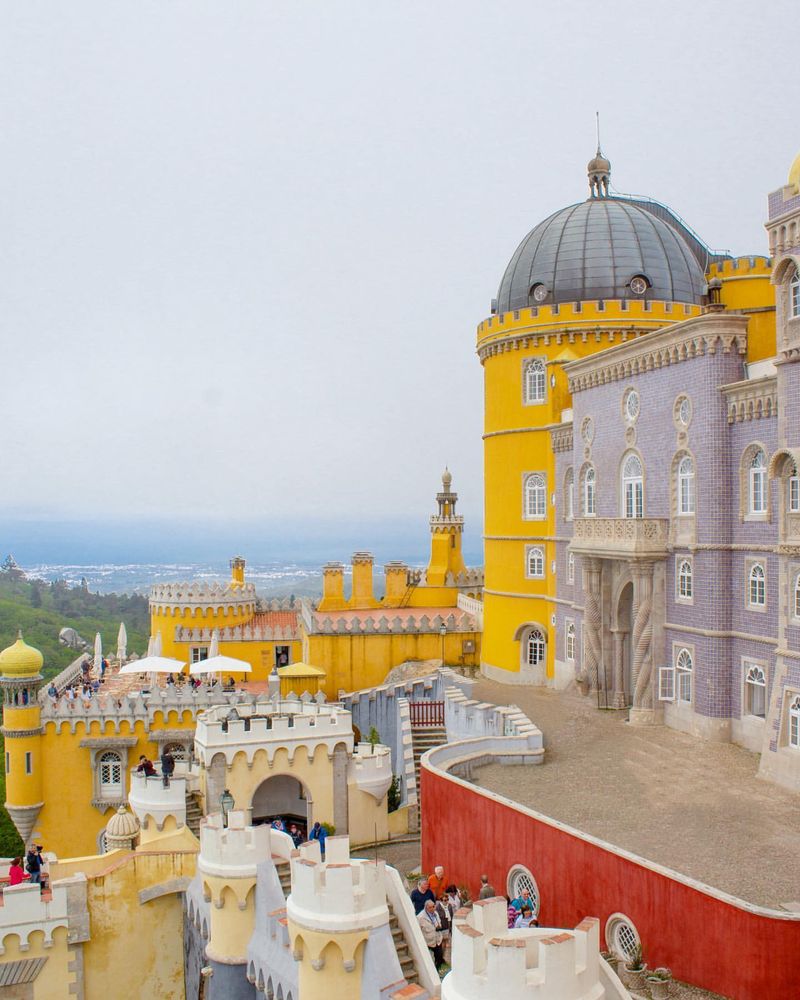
[755, 686]
[536, 562]
[569, 495]
[686, 486]
[632, 487]
[570, 641]
[757, 586]
[684, 666]
[758, 483]
[535, 381]
[794, 492]
[797, 596]
[535, 496]
[178, 751]
[535, 648]
[571, 568]
[685, 579]
[794, 295]
[589, 493]
[794, 723]
[110, 774]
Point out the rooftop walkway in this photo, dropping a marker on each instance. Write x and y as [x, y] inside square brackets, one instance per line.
[693, 806]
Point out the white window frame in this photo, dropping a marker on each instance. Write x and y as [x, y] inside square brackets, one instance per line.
[534, 570]
[534, 382]
[632, 487]
[757, 500]
[794, 295]
[666, 683]
[686, 495]
[519, 877]
[570, 567]
[684, 594]
[109, 786]
[569, 494]
[535, 640]
[570, 637]
[198, 653]
[534, 497]
[794, 494]
[754, 688]
[757, 585]
[625, 944]
[796, 598]
[631, 406]
[684, 674]
[794, 723]
[590, 492]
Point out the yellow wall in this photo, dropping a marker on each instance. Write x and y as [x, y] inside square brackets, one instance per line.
[55, 978]
[232, 917]
[23, 789]
[331, 981]
[746, 287]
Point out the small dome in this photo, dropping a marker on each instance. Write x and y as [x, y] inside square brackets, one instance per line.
[447, 479]
[20, 660]
[123, 825]
[794, 174]
[599, 164]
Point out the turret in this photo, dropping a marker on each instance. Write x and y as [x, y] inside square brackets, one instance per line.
[447, 527]
[396, 575]
[333, 598]
[20, 679]
[122, 831]
[362, 596]
[237, 571]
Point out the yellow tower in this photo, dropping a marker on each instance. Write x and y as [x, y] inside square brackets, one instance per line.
[590, 276]
[20, 679]
[447, 529]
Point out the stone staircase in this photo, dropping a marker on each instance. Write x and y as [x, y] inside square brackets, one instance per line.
[424, 738]
[194, 813]
[284, 874]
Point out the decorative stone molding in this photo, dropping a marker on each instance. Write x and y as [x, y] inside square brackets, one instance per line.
[696, 337]
[11, 733]
[531, 339]
[752, 399]
[621, 537]
[108, 742]
[561, 438]
[397, 625]
[238, 633]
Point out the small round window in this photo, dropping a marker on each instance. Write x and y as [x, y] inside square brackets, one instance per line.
[519, 880]
[539, 292]
[622, 938]
[587, 430]
[639, 284]
[630, 405]
[683, 411]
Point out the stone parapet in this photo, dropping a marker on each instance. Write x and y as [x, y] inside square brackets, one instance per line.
[152, 802]
[752, 399]
[412, 624]
[620, 537]
[469, 719]
[370, 768]
[200, 592]
[233, 851]
[26, 910]
[238, 633]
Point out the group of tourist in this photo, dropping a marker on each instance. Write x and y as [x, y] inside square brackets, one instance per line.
[33, 871]
[435, 904]
[147, 768]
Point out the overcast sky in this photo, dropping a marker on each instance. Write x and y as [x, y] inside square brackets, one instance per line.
[244, 246]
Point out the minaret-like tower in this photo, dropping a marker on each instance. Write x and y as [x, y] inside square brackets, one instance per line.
[20, 679]
[447, 527]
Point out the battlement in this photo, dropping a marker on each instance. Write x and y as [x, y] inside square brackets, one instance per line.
[151, 801]
[415, 623]
[339, 894]
[235, 850]
[739, 267]
[371, 769]
[26, 910]
[248, 632]
[471, 577]
[525, 964]
[269, 724]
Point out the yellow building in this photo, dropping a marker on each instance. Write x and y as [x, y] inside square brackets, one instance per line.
[589, 277]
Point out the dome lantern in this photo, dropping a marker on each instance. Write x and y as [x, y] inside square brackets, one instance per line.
[599, 171]
[20, 660]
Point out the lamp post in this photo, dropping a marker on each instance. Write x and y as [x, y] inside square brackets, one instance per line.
[227, 803]
[443, 633]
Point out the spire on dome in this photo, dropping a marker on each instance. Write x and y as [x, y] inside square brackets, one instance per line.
[599, 169]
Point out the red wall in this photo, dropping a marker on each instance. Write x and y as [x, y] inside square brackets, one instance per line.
[704, 940]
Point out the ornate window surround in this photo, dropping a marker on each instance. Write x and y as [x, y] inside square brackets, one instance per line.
[680, 561]
[746, 512]
[749, 667]
[541, 494]
[536, 382]
[534, 562]
[752, 577]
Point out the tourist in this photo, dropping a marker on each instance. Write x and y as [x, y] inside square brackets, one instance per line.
[421, 895]
[167, 766]
[318, 832]
[296, 835]
[103, 668]
[524, 899]
[146, 767]
[34, 863]
[277, 824]
[452, 898]
[431, 927]
[511, 913]
[52, 692]
[437, 882]
[487, 890]
[525, 918]
[170, 679]
[16, 874]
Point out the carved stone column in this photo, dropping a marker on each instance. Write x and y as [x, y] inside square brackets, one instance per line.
[642, 673]
[618, 699]
[592, 623]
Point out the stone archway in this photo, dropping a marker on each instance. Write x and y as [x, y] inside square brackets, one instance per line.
[623, 648]
[283, 797]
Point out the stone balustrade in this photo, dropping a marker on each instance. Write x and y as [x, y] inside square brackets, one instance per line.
[473, 607]
[620, 537]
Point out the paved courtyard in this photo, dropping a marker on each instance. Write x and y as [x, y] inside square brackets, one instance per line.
[694, 806]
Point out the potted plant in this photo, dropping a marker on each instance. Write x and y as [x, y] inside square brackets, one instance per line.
[658, 980]
[635, 969]
[611, 959]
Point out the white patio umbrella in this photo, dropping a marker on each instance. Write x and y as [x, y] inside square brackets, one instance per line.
[154, 665]
[98, 652]
[151, 644]
[157, 644]
[220, 664]
[122, 643]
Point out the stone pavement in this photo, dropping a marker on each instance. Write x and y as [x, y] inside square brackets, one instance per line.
[688, 804]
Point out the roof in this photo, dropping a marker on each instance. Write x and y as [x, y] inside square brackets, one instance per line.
[274, 619]
[300, 670]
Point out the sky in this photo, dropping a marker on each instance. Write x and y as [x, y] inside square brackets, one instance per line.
[244, 246]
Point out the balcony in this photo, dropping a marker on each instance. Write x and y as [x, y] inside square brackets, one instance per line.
[620, 537]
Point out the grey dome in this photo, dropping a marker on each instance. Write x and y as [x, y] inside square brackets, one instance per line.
[593, 249]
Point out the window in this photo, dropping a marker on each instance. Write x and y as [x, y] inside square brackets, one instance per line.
[630, 405]
[686, 486]
[794, 492]
[178, 751]
[520, 878]
[589, 493]
[569, 643]
[794, 723]
[110, 774]
[666, 684]
[757, 590]
[28, 762]
[534, 648]
[682, 412]
[536, 563]
[622, 937]
[8, 762]
[569, 495]
[571, 570]
[797, 596]
[683, 669]
[535, 496]
[755, 690]
[632, 487]
[199, 653]
[794, 295]
[758, 483]
[685, 580]
[535, 382]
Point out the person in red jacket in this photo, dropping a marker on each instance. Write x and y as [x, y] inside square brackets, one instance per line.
[437, 882]
[16, 874]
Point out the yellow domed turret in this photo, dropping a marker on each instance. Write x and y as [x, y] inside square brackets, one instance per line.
[794, 174]
[20, 660]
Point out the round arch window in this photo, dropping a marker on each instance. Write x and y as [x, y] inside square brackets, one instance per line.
[178, 751]
[630, 405]
[538, 292]
[520, 878]
[622, 938]
[639, 284]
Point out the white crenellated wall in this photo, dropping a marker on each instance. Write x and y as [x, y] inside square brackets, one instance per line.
[151, 802]
[370, 768]
[25, 911]
[234, 851]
